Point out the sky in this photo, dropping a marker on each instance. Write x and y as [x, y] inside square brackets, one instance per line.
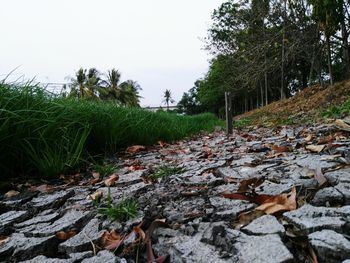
[158, 43]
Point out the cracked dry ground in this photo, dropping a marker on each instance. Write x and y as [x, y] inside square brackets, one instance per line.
[264, 195]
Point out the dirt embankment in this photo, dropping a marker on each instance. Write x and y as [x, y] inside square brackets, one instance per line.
[306, 105]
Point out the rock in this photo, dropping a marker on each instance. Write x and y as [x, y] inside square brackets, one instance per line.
[43, 259]
[130, 178]
[270, 188]
[105, 257]
[73, 258]
[70, 220]
[309, 218]
[45, 201]
[10, 218]
[330, 246]
[261, 249]
[339, 176]
[82, 241]
[181, 211]
[344, 189]
[21, 247]
[38, 219]
[329, 196]
[228, 209]
[264, 225]
[182, 248]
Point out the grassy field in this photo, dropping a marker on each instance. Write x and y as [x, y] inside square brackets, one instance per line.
[45, 136]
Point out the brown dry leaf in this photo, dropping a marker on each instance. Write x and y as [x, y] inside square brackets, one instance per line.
[278, 203]
[3, 240]
[136, 149]
[111, 240]
[342, 125]
[95, 196]
[309, 138]
[281, 149]
[162, 144]
[246, 218]
[44, 188]
[96, 175]
[249, 185]
[320, 177]
[315, 148]
[11, 193]
[62, 235]
[110, 181]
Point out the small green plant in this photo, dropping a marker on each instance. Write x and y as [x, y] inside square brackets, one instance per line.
[241, 123]
[164, 171]
[338, 111]
[104, 170]
[126, 209]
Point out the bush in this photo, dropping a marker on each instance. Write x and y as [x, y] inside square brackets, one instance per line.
[45, 135]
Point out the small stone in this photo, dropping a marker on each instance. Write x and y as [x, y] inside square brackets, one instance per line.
[21, 247]
[38, 219]
[268, 248]
[310, 218]
[330, 246]
[228, 209]
[329, 195]
[105, 257]
[10, 218]
[264, 225]
[72, 219]
[344, 189]
[82, 241]
[51, 200]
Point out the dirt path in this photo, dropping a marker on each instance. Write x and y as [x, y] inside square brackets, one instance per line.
[266, 195]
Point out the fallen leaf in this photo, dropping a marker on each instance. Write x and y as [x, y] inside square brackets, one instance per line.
[342, 125]
[3, 240]
[281, 149]
[96, 175]
[111, 240]
[162, 144]
[315, 148]
[249, 185]
[309, 138]
[253, 198]
[62, 235]
[11, 193]
[320, 177]
[246, 218]
[135, 149]
[278, 203]
[95, 196]
[110, 181]
[44, 188]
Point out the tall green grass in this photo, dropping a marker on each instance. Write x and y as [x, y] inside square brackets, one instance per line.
[45, 136]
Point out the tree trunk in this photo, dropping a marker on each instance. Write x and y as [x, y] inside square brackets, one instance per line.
[345, 48]
[329, 59]
[283, 50]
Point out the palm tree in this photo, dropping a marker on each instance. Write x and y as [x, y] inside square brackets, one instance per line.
[111, 88]
[85, 84]
[167, 98]
[129, 93]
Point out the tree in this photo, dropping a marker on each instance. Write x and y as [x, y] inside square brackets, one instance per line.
[168, 98]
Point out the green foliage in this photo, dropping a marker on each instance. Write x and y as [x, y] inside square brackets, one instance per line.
[165, 171]
[241, 123]
[126, 209]
[45, 136]
[104, 169]
[338, 111]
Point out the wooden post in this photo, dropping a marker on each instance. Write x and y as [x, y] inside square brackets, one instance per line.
[228, 107]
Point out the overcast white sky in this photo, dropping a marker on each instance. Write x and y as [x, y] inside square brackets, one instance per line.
[155, 42]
